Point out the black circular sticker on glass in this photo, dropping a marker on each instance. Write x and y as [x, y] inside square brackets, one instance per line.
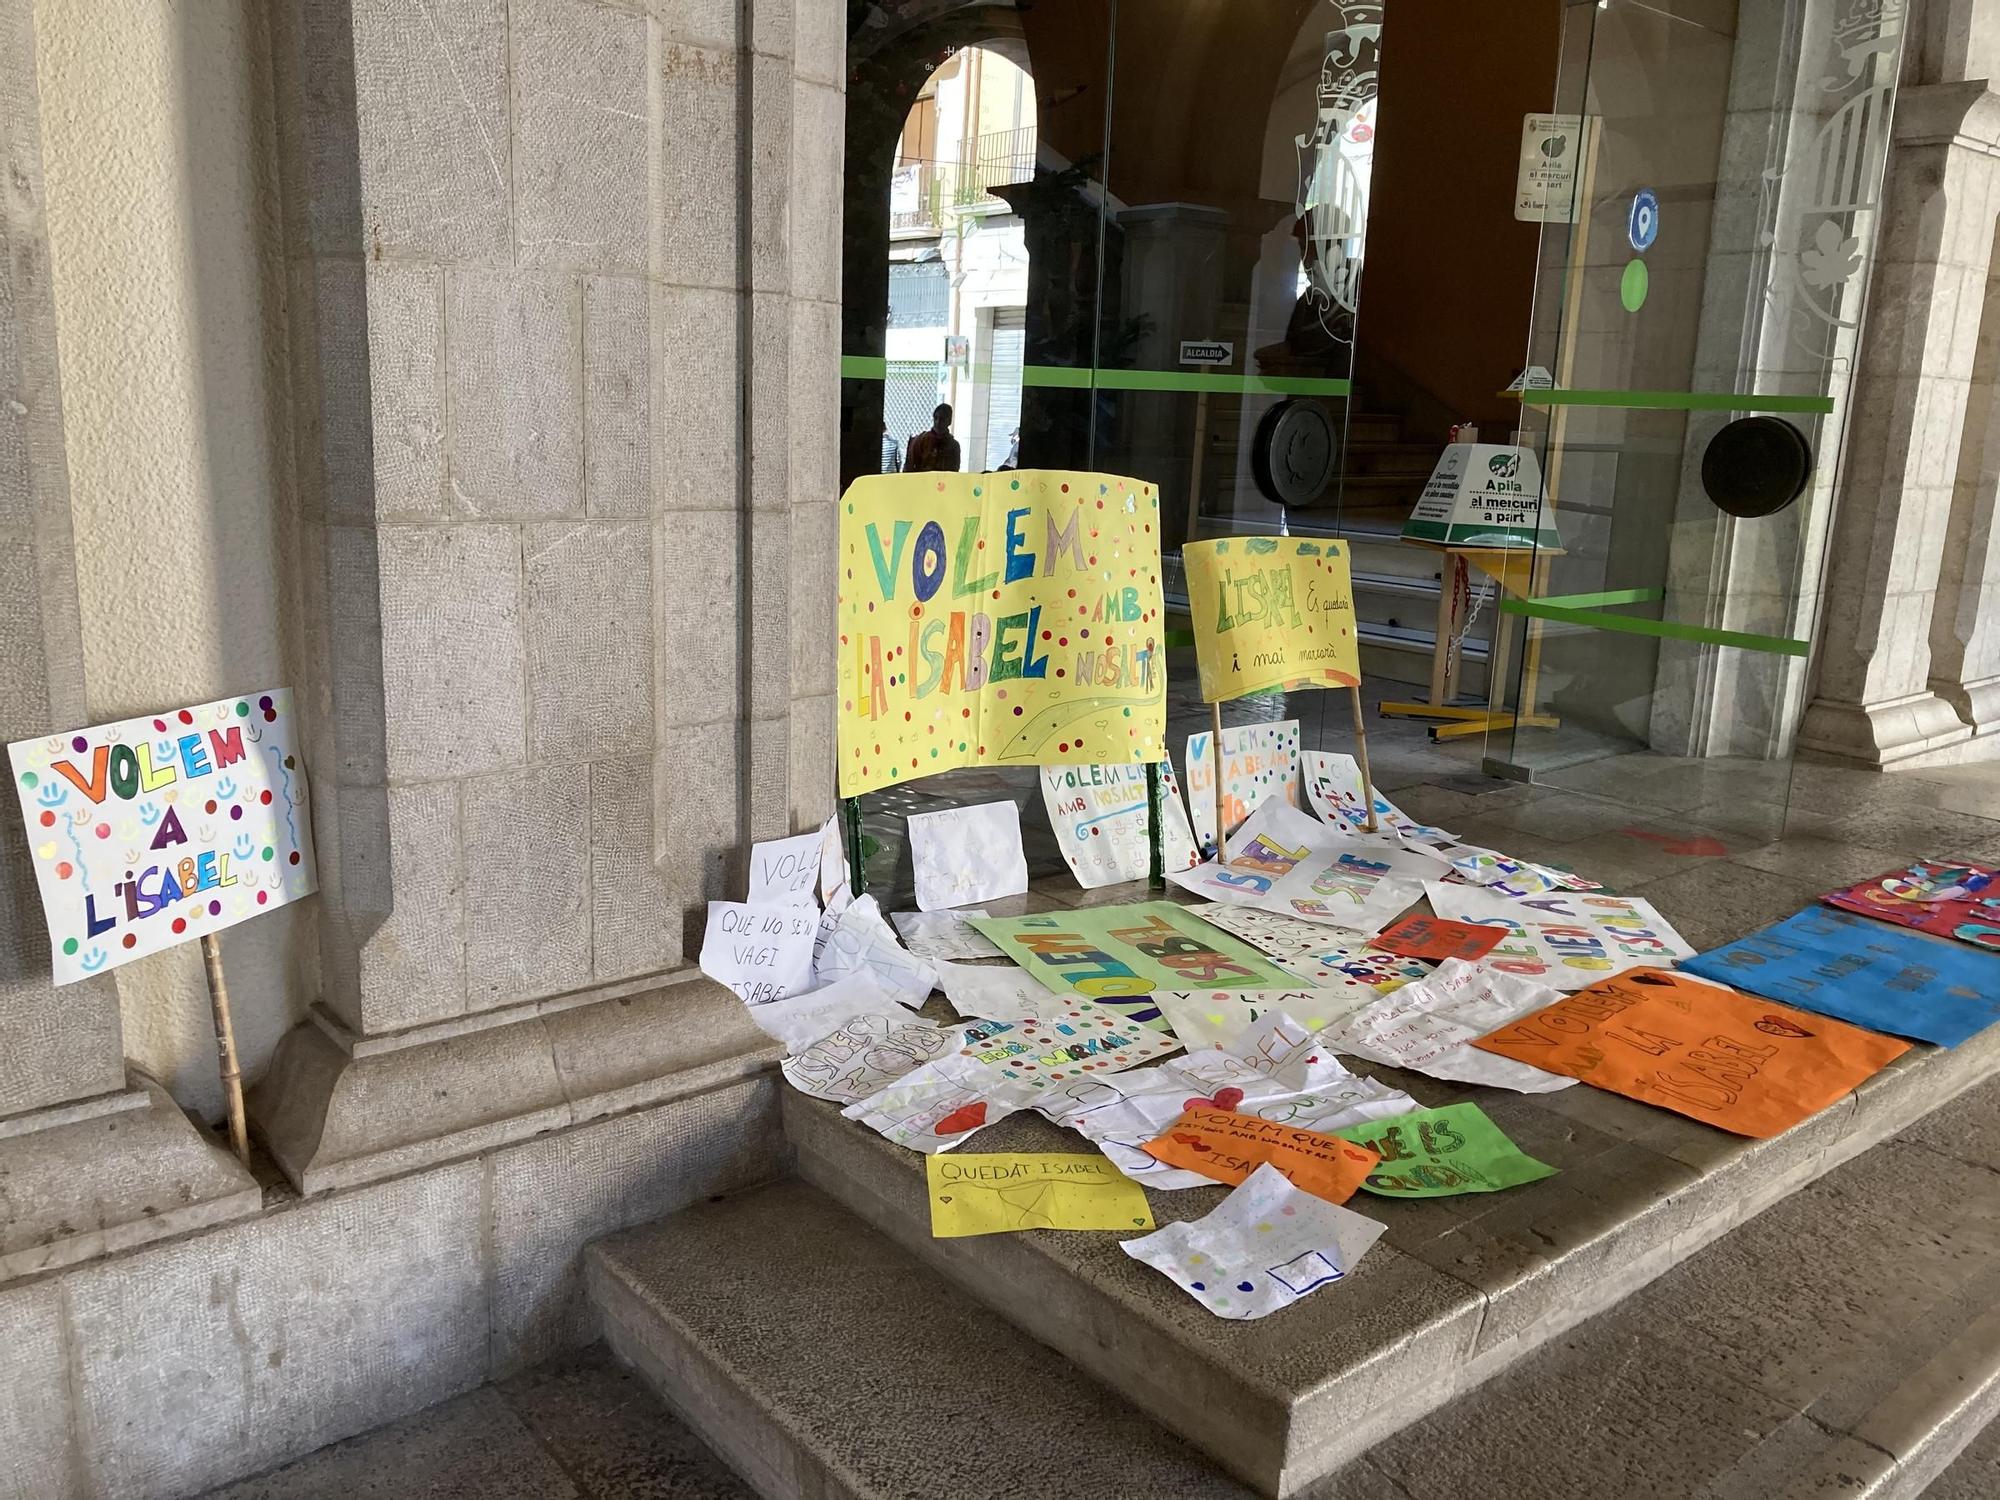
[1293, 455]
[1756, 466]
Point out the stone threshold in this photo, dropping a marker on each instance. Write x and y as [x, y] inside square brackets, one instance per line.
[1458, 1289]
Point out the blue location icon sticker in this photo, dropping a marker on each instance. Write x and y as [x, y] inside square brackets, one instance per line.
[1642, 224]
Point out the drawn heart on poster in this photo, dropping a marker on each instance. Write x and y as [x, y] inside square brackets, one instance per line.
[1223, 1099]
[1194, 1143]
[965, 1117]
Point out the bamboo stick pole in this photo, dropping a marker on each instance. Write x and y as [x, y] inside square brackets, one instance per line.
[1215, 746]
[225, 1046]
[1361, 754]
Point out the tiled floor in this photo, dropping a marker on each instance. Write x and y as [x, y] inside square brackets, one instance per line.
[581, 1427]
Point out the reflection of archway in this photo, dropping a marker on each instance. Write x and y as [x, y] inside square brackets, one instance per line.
[958, 261]
[893, 50]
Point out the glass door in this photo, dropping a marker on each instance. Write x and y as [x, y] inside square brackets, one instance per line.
[1697, 296]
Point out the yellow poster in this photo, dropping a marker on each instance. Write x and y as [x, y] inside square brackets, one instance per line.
[1271, 612]
[1010, 1190]
[998, 619]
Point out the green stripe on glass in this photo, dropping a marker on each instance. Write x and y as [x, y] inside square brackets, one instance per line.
[1664, 629]
[1676, 400]
[1083, 378]
[1179, 638]
[1598, 601]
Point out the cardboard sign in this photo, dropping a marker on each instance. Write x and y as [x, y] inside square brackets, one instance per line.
[1259, 762]
[1222, 1144]
[1099, 817]
[1003, 1192]
[1436, 1153]
[1109, 952]
[1545, 178]
[1271, 612]
[997, 619]
[1568, 939]
[1484, 495]
[1263, 1248]
[1439, 938]
[1882, 977]
[1727, 1059]
[162, 829]
[1955, 901]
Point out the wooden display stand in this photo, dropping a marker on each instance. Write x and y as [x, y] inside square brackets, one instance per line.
[1522, 572]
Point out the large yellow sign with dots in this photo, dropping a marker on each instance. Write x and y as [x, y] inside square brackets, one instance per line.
[998, 619]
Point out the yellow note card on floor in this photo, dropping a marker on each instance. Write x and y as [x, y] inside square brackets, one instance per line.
[1004, 1191]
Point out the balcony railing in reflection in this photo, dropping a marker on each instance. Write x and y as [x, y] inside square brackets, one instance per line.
[926, 194]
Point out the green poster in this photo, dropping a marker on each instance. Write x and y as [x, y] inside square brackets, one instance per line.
[1434, 1153]
[1108, 952]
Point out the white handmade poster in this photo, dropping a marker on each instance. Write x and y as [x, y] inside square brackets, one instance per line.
[997, 992]
[1259, 761]
[1268, 931]
[1277, 1071]
[1504, 875]
[967, 854]
[166, 828]
[763, 952]
[945, 934]
[800, 1020]
[1427, 1026]
[1099, 817]
[867, 1053]
[1217, 1018]
[1261, 1249]
[1354, 965]
[1285, 861]
[786, 869]
[857, 941]
[1567, 939]
[933, 1108]
[1333, 786]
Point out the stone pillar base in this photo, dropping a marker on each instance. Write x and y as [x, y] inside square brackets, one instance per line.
[1881, 734]
[105, 1174]
[1977, 703]
[337, 1108]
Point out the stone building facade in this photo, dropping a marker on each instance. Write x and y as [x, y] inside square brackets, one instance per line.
[470, 366]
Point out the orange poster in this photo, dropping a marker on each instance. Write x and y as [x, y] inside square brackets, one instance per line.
[1713, 1054]
[1222, 1144]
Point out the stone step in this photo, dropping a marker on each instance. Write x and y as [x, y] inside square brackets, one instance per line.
[1458, 1289]
[1845, 1342]
[822, 1361]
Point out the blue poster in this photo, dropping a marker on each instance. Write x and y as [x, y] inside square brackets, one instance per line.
[1886, 978]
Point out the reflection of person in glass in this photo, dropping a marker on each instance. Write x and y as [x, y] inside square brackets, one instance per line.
[935, 451]
[1013, 458]
[892, 454]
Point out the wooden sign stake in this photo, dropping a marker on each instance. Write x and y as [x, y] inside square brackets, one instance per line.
[1361, 754]
[225, 1046]
[1215, 749]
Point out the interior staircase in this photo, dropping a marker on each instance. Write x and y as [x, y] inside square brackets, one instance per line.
[1395, 586]
[1838, 1335]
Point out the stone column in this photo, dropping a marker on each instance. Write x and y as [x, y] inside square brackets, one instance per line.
[1965, 628]
[565, 336]
[88, 1163]
[1874, 703]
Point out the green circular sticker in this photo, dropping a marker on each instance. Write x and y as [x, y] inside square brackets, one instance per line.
[1632, 285]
